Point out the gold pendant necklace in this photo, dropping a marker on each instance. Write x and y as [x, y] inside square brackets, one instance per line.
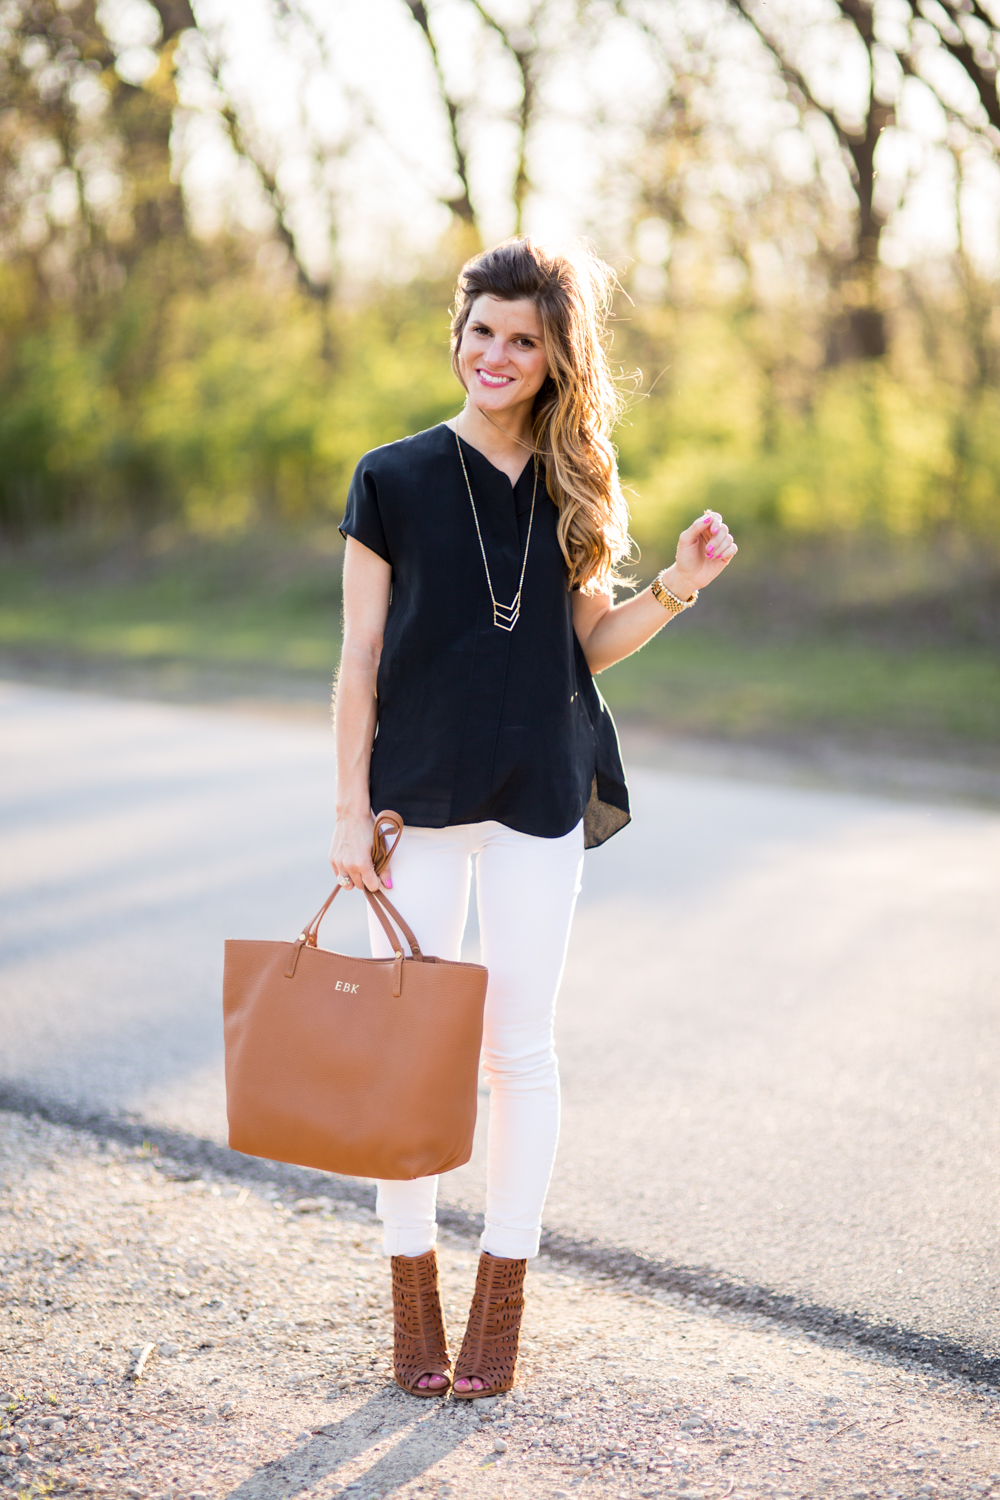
[505, 616]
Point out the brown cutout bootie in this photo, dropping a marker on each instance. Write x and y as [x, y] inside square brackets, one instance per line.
[420, 1344]
[489, 1349]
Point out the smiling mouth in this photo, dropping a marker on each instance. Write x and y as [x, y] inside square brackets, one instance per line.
[496, 382]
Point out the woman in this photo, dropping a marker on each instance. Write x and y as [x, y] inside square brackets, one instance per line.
[478, 576]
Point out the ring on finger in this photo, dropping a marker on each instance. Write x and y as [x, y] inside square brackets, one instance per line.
[345, 881]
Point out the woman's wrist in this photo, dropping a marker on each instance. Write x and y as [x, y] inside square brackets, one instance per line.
[677, 583]
[353, 807]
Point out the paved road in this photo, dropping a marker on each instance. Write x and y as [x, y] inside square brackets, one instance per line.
[778, 1026]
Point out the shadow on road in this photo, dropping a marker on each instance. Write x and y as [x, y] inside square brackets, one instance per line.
[430, 1436]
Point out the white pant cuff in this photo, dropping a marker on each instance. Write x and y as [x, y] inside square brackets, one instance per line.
[401, 1239]
[510, 1244]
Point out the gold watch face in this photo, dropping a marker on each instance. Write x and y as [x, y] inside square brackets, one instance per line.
[667, 599]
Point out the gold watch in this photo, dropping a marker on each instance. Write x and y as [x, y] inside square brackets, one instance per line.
[670, 601]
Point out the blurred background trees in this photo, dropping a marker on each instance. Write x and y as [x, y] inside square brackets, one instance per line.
[228, 238]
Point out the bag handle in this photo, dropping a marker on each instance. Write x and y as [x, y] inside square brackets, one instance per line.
[382, 851]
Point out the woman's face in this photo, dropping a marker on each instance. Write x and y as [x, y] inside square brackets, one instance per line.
[502, 357]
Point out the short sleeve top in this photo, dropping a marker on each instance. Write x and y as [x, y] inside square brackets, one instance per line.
[476, 723]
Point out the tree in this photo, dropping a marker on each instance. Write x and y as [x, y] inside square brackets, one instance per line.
[85, 169]
[521, 43]
[945, 44]
[460, 203]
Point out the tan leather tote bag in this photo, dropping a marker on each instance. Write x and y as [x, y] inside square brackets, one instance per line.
[366, 1066]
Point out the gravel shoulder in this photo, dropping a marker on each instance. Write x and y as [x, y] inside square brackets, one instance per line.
[170, 1335]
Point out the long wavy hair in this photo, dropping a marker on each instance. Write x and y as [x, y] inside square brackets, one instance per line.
[578, 403]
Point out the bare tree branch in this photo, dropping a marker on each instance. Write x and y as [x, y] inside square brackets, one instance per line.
[175, 16]
[251, 151]
[948, 21]
[982, 75]
[461, 205]
[526, 59]
[790, 73]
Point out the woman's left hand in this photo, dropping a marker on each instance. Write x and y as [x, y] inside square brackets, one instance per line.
[702, 552]
[609, 632]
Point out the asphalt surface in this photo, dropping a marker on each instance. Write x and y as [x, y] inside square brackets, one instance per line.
[777, 1029]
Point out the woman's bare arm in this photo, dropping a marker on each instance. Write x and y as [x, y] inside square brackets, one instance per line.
[608, 632]
[367, 580]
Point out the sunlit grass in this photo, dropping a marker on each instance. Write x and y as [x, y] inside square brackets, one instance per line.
[134, 629]
[699, 684]
[687, 681]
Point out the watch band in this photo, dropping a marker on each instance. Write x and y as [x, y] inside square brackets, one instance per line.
[670, 601]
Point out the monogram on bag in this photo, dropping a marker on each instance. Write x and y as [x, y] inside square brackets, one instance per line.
[365, 1066]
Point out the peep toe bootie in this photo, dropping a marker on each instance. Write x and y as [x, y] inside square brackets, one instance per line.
[420, 1344]
[489, 1349]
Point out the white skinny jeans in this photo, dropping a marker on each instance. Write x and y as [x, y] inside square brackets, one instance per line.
[526, 891]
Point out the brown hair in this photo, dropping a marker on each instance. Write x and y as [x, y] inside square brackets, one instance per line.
[578, 403]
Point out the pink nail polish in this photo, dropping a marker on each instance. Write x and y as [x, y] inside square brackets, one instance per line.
[709, 552]
[388, 882]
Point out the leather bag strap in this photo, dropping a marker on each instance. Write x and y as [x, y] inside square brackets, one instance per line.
[379, 898]
[382, 851]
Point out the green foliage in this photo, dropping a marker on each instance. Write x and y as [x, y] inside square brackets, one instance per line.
[146, 376]
[729, 689]
[251, 407]
[59, 421]
[872, 451]
[224, 404]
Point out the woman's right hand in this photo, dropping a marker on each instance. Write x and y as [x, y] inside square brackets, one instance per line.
[351, 852]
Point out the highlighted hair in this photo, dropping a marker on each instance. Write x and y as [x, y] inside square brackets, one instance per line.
[578, 404]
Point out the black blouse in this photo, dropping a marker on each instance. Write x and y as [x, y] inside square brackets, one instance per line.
[476, 723]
